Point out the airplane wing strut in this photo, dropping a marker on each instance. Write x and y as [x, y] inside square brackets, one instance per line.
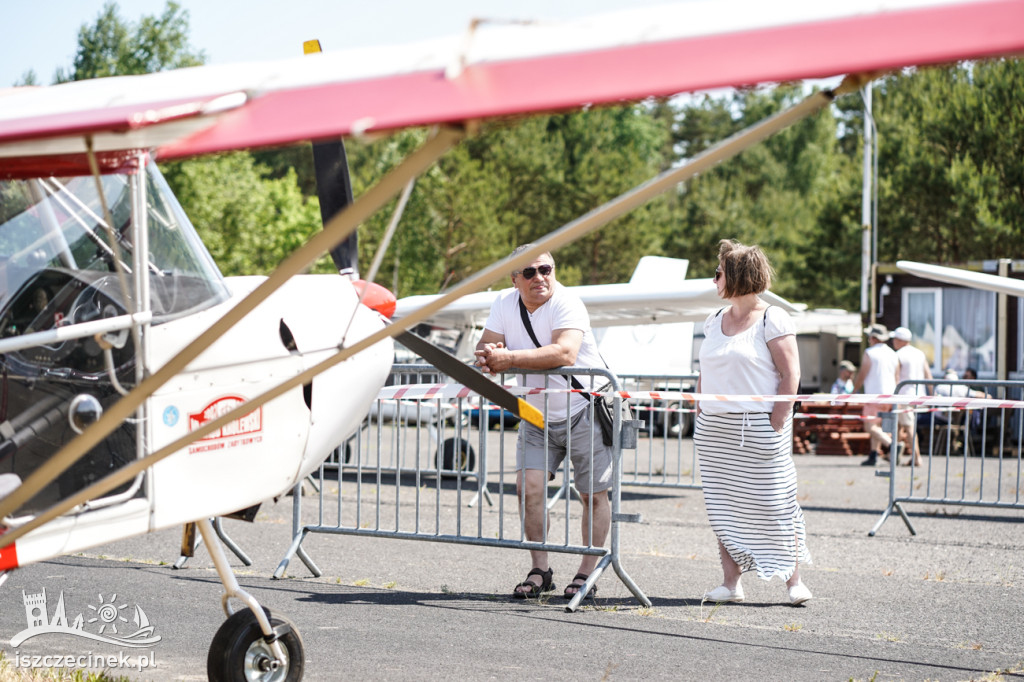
[337, 229]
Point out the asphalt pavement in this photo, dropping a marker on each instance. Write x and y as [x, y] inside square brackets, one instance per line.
[944, 604]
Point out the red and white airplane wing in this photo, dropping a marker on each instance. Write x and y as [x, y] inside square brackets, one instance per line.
[493, 71]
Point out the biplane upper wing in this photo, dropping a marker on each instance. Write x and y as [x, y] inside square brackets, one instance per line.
[493, 71]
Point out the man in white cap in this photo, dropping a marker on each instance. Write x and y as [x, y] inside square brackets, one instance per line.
[879, 369]
[913, 367]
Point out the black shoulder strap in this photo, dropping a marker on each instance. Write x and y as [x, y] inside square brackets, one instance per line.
[764, 326]
[526, 322]
[529, 330]
[764, 329]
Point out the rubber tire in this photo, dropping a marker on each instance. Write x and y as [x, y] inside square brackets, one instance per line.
[446, 457]
[673, 422]
[226, 661]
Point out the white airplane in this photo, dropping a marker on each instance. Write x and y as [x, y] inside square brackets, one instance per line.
[142, 390]
[965, 278]
[658, 298]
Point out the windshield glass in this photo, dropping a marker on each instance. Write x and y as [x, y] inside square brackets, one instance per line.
[54, 231]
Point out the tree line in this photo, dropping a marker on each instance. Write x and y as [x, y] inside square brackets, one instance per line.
[950, 179]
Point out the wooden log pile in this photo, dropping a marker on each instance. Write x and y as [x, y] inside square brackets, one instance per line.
[831, 433]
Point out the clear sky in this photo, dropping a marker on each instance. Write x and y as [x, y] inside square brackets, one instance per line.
[42, 35]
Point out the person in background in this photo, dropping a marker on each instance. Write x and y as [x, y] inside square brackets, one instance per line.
[745, 448]
[970, 374]
[561, 326]
[844, 382]
[879, 369]
[962, 391]
[959, 390]
[913, 367]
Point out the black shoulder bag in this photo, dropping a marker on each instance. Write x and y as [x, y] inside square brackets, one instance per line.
[604, 406]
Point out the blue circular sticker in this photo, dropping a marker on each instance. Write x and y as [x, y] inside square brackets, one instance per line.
[170, 415]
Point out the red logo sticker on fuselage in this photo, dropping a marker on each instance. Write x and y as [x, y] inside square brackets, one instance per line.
[245, 430]
[8, 556]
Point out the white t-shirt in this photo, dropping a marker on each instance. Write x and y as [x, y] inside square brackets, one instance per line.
[564, 310]
[912, 364]
[741, 364]
[881, 377]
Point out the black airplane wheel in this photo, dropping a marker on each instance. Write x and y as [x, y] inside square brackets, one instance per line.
[455, 456]
[239, 653]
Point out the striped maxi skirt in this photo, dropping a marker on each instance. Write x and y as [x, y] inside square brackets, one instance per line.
[749, 483]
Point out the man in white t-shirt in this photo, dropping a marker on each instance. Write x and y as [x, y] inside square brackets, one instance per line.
[561, 325]
[879, 368]
[913, 367]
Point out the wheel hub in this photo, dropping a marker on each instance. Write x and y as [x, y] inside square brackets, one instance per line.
[262, 666]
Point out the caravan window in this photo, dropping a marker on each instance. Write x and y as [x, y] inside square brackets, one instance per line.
[955, 327]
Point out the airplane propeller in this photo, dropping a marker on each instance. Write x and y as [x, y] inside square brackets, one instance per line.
[334, 189]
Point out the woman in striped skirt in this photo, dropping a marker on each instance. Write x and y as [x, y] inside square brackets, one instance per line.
[745, 447]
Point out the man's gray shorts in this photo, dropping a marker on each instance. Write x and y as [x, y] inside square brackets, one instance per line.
[585, 436]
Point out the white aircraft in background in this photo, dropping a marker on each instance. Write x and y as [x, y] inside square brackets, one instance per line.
[644, 326]
[142, 390]
[964, 278]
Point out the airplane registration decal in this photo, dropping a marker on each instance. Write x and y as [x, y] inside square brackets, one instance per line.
[242, 431]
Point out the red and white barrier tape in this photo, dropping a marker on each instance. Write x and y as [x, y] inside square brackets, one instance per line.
[452, 391]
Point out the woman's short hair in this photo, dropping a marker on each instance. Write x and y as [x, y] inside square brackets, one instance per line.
[746, 269]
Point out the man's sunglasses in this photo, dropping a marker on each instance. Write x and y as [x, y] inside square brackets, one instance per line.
[718, 273]
[531, 272]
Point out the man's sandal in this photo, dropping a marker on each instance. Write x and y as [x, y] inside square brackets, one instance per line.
[533, 589]
[576, 588]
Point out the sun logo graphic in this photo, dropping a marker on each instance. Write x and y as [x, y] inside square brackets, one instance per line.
[108, 614]
[109, 617]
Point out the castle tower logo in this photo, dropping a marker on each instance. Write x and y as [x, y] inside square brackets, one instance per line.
[109, 618]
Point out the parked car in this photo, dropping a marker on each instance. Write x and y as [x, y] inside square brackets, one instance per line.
[496, 416]
[672, 419]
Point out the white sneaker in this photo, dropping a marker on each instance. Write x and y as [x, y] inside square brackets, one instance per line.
[723, 594]
[799, 593]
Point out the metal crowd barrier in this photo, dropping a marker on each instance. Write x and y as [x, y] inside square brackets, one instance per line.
[969, 457]
[666, 458]
[409, 471]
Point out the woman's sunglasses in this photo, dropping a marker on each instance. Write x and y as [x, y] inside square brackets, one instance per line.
[531, 272]
[718, 273]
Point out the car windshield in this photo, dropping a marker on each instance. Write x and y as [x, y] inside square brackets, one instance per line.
[56, 229]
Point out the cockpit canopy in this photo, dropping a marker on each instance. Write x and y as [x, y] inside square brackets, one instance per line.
[55, 240]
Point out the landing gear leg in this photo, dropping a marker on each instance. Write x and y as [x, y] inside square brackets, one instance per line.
[251, 644]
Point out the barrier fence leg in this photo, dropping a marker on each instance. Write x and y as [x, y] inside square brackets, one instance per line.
[190, 542]
[889, 424]
[613, 555]
[298, 535]
[218, 527]
[581, 593]
[885, 515]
